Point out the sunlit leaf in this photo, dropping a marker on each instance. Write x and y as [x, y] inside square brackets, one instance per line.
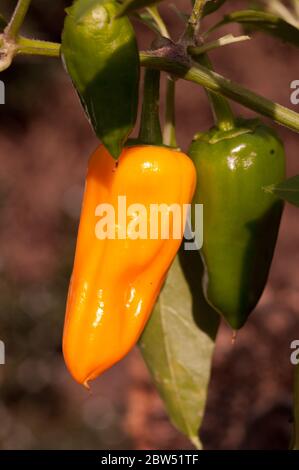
[178, 342]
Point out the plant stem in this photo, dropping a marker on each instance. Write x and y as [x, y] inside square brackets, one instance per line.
[210, 80]
[223, 86]
[154, 12]
[17, 19]
[169, 134]
[37, 47]
[150, 129]
[223, 115]
[193, 21]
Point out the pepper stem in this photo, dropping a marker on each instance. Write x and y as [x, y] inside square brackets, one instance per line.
[222, 112]
[169, 134]
[194, 20]
[150, 130]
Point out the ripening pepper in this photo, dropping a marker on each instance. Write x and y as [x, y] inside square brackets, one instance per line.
[101, 56]
[115, 282]
[240, 219]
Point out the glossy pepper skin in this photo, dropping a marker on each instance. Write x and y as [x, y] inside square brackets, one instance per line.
[115, 282]
[241, 220]
[101, 56]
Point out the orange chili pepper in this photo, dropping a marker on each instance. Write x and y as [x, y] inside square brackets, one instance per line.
[115, 282]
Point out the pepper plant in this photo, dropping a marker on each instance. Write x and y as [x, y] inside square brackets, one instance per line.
[99, 52]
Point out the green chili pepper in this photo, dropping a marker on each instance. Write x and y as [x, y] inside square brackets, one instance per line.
[101, 56]
[241, 219]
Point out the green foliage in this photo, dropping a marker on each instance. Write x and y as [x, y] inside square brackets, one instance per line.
[288, 190]
[178, 342]
[212, 5]
[262, 21]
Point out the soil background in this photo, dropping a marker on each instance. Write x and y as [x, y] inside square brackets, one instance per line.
[45, 142]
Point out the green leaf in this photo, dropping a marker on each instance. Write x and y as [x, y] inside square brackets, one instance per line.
[212, 6]
[263, 21]
[130, 5]
[288, 190]
[178, 342]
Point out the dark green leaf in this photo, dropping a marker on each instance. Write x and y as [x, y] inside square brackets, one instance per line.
[212, 6]
[178, 342]
[130, 5]
[263, 21]
[288, 190]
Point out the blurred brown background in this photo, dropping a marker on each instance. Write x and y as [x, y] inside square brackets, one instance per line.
[45, 142]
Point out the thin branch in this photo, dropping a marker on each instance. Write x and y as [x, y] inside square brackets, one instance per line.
[225, 87]
[12, 30]
[211, 81]
[37, 47]
[223, 116]
[154, 12]
[193, 21]
[150, 129]
[196, 13]
[169, 134]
